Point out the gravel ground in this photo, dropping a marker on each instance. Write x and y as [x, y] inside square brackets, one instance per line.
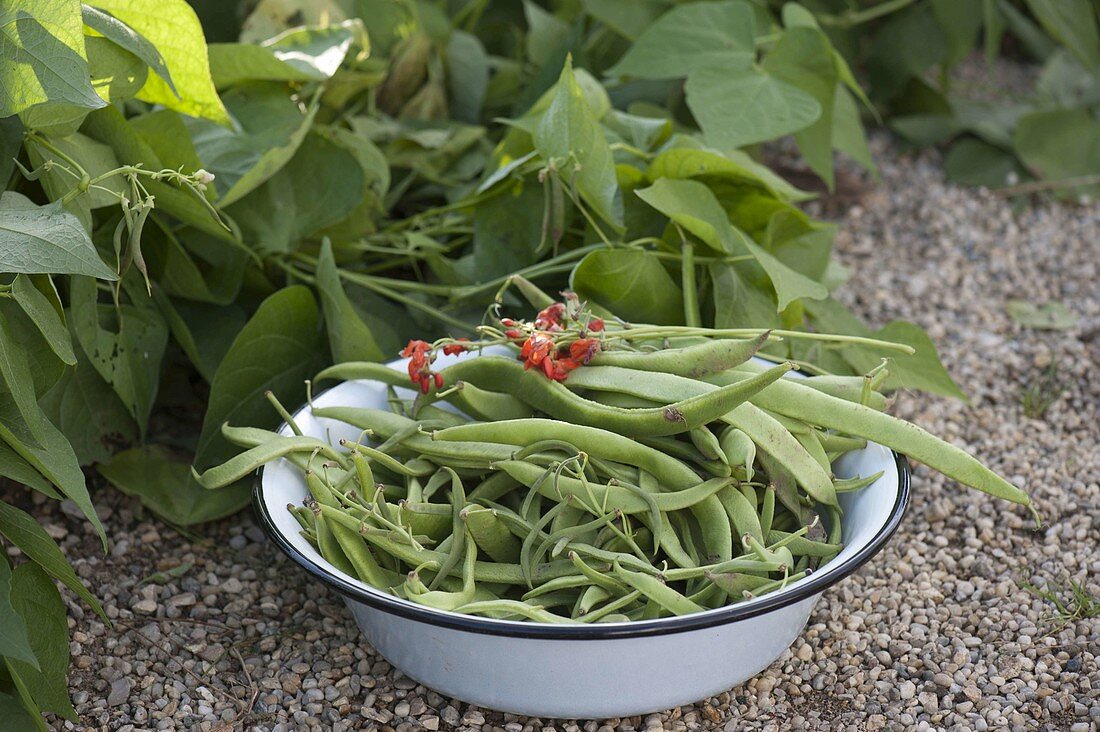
[935, 633]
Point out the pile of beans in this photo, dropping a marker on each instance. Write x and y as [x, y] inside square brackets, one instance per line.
[653, 481]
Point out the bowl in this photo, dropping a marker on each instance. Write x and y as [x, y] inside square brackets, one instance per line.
[584, 671]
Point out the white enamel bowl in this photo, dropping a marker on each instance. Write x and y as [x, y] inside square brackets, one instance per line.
[587, 671]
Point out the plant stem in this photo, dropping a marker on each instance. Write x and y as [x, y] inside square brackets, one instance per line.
[849, 18]
[692, 318]
[1048, 185]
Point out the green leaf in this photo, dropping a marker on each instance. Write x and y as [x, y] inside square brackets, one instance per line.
[349, 338]
[993, 28]
[1048, 316]
[45, 239]
[271, 17]
[570, 135]
[129, 39]
[546, 34]
[848, 135]
[89, 413]
[1034, 40]
[1059, 144]
[11, 140]
[804, 58]
[163, 578]
[631, 283]
[15, 715]
[41, 311]
[124, 343]
[1073, 24]
[34, 596]
[695, 207]
[628, 18]
[317, 50]
[467, 76]
[738, 107]
[51, 455]
[116, 74]
[21, 529]
[172, 27]
[197, 266]
[507, 231]
[203, 330]
[960, 23]
[42, 45]
[719, 35]
[732, 165]
[164, 485]
[321, 185]
[738, 302]
[993, 122]
[904, 46]
[975, 162]
[272, 128]
[22, 410]
[233, 63]
[15, 468]
[44, 365]
[925, 130]
[165, 132]
[366, 217]
[922, 370]
[1064, 82]
[14, 638]
[280, 346]
[94, 157]
[692, 205]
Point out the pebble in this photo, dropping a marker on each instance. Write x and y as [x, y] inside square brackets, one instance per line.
[935, 632]
[120, 692]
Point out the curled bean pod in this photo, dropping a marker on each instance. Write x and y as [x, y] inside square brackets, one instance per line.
[491, 534]
[739, 449]
[253, 459]
[657, 591]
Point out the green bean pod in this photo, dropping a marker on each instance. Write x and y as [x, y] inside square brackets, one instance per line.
[693, 361]
[491, 534]
[657, 591]
[555, 399]
[850, 418]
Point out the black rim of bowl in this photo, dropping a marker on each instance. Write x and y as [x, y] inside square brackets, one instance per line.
[805, 588]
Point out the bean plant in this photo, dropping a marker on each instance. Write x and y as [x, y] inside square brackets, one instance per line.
[199, 207]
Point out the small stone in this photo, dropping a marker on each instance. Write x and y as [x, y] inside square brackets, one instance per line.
[120, 692]
[907, 689]
[431, 723]
[145, 607]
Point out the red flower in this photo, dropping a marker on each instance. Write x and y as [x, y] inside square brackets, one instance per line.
[513, 334]
[583, 349]
[453, 349]
[420, 358]
[535, 349]
[557, 367]
[595, 325]
[550, 317]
